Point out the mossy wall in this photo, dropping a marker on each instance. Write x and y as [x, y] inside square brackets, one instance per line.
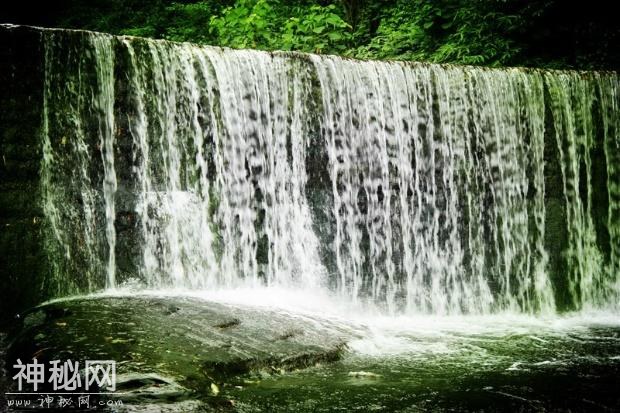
[22, 261]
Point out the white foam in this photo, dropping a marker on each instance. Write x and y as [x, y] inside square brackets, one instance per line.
[390, 335]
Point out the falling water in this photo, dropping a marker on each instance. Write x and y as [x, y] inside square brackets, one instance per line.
[78, 122]
[105, 104]
[449, 150]
[405, 186]
[573, 98]
[220, 196]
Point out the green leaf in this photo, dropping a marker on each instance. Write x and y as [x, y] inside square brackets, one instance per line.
[334, 20]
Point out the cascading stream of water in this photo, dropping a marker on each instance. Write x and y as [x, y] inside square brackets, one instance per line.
[410, 187]
[104, 103]
[460, 157]
[78, 122]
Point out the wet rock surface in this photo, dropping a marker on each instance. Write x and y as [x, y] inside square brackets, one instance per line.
[173, 351]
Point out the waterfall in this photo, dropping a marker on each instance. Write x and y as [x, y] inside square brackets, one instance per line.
[449, 150]
[105, 104]
[409, 187]
[78, 122]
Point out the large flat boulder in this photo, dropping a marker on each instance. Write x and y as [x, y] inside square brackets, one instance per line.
[175, 350]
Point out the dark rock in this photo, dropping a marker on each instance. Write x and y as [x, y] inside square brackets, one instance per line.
[179, 345]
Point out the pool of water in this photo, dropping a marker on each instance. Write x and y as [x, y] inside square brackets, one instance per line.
[568, 366]
[502, 362]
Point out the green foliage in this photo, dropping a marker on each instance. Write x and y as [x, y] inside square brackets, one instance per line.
[264, 24]
[247, 24]
[446, 31]
[481, 32]
[190, 22]
[318, 29]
